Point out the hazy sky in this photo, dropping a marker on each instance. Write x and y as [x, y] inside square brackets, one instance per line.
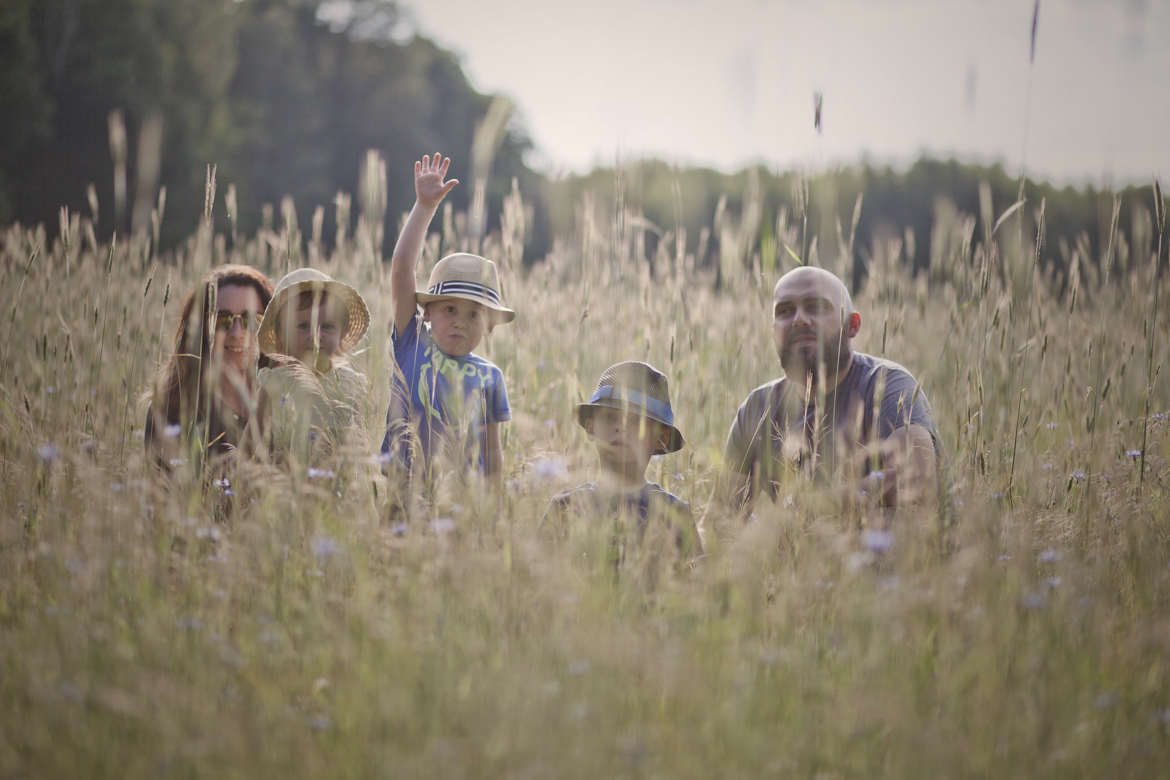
[726, 82]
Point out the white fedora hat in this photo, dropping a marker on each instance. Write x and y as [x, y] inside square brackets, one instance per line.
[470, 277]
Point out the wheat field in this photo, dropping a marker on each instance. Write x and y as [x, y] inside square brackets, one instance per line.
[143, 635]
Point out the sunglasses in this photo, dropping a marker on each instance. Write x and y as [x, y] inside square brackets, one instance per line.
[249, 321]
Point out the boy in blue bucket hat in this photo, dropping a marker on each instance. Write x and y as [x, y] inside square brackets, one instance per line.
[629, 420]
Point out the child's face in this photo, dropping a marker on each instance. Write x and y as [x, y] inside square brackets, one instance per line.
[625, 439]
[457, 324]
[313, 328]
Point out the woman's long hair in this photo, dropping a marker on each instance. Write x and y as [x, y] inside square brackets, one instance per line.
[183, 379]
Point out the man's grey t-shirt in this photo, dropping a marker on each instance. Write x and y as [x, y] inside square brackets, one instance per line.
[774, 427]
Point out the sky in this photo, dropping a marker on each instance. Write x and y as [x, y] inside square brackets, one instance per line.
[728, 83]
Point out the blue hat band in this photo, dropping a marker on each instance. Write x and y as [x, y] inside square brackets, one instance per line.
[652, 405]
[466, 288]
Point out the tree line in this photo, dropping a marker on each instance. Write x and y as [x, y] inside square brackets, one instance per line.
[285, 97]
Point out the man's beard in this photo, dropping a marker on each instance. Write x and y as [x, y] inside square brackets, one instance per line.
[805, 362]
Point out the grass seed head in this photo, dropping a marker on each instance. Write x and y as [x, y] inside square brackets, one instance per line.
[1159, 207]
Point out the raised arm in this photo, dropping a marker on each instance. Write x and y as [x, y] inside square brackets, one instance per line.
[429, 190]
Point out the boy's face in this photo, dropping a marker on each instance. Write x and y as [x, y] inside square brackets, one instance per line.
[625, 439]
[313, 328]
[457, 324]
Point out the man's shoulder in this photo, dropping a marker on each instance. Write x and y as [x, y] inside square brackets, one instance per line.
[760, 405]
[768, 388]
[764, 395]
[903, 400]
[871, 364]
[872, 371]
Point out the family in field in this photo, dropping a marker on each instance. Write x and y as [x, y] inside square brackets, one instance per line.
[268, 373]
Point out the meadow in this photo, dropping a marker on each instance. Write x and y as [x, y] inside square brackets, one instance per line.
[141, 635]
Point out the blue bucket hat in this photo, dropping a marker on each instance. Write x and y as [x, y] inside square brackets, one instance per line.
[635, 386]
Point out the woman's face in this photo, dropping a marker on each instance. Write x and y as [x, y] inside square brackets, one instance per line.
[236, 322]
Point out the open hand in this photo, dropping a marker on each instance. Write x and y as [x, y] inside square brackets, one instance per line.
[429, 187]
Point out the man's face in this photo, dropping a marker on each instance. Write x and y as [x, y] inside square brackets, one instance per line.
[457, 324]
[314, 327]
[625, 439]
[810, 326]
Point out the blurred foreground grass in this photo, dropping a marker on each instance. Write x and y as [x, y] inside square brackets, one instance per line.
[308, 637]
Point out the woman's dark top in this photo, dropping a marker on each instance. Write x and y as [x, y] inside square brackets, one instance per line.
[227, 432]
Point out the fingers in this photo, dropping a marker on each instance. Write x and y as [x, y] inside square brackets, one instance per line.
[438, 164]
[429, 173]
[429, 165]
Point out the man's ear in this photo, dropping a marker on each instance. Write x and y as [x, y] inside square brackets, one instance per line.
[662, 436]
[852, 325]
[588, 424]
[426, 312]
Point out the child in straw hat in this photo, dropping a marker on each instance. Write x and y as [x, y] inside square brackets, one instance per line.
[446, 402]
[629, 420]
[309, 331]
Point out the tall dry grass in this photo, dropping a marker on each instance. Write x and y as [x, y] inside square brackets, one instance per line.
[307, 636]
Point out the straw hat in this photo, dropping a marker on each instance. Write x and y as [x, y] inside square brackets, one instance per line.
[304, 279]
[635, 386]
[470, 277]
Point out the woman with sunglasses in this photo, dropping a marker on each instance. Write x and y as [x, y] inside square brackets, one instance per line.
[206, 404]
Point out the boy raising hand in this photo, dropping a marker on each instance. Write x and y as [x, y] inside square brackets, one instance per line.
[429, 191]
[446, 403]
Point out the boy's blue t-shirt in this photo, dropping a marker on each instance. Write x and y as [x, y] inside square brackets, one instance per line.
[448, 400]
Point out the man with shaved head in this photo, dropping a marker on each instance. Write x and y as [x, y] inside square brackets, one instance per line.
[836, 415]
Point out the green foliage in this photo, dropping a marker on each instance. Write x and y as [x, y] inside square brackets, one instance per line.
[27, 110]
[285, 97]
[93, 58]
[898, 206]
[283, 104]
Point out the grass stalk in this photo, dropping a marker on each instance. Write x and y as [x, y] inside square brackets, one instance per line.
[15, 305]
[1160, 218]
